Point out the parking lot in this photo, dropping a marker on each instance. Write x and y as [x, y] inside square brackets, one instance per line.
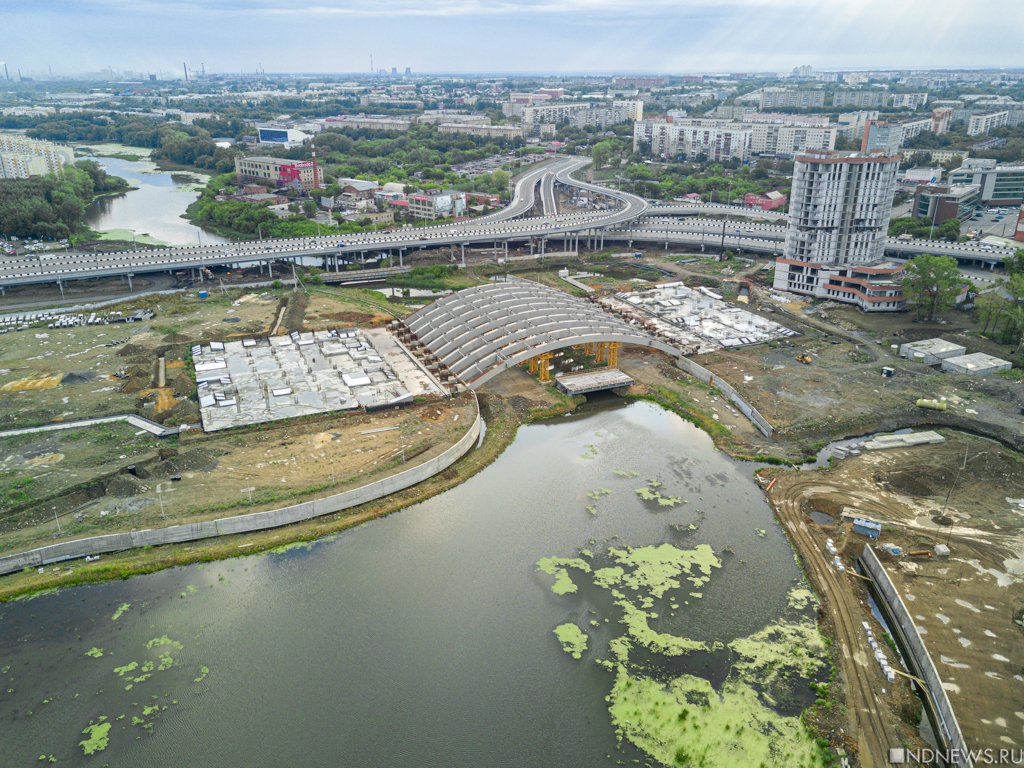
[993, 220]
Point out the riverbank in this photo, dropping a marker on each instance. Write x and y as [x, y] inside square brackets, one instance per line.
[503, 419]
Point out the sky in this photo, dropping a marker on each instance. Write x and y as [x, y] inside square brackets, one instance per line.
[544, 36]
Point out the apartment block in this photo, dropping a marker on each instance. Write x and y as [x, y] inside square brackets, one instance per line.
[839, 211]
[859, 99]
[979, 125]
[22, 158]
[783, 98]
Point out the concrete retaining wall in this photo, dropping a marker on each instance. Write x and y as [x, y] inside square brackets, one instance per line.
[949, 728]
[256, 521]
[703, 374]
[136, 421]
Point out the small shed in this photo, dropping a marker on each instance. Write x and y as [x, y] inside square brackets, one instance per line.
[977, 364]
[868, 528]
[931, 351]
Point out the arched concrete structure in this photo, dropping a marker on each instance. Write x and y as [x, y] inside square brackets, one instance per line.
[480, 332]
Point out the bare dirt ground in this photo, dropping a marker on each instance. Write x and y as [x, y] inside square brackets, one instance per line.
[79, 479]
[842, 392]
[61, 374]
[968, 606]
[94, 492]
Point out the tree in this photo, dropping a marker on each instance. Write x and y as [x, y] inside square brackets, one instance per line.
[1015, 264]
[931, 284]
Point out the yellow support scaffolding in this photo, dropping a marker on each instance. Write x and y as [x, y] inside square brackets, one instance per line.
[613, 354]
[533, 365]
[600, 351]
[545, 366]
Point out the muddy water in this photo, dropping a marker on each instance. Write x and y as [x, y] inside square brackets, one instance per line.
[421, 639]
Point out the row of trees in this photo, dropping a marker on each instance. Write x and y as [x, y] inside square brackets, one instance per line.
[922, 228]
[53, 207]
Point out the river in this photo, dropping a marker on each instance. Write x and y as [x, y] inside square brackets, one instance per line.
[419, 639]
[154, 209]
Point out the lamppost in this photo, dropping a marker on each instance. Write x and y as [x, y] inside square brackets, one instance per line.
[259, 230]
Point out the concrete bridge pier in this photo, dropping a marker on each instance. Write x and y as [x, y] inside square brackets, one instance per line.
[543, 243]
[462, 246]
[129, 276]
[61, 286]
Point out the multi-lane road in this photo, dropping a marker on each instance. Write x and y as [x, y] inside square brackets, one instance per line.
[632, 218]
[502, 226]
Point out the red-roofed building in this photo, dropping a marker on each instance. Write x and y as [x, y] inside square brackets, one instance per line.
[767, 202]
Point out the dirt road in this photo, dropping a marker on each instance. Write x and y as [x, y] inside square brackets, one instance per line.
[870, 719]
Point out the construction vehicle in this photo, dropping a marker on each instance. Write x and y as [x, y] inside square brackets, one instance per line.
[805, 359]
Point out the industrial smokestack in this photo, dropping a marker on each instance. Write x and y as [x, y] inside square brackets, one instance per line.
[7, 75]
[183, 64]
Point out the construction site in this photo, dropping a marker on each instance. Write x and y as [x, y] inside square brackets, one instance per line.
[289, 396]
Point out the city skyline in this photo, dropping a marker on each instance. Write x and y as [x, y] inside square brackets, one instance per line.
[464, 36]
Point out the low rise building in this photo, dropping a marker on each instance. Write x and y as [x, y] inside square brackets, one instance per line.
[931, 351]
[766, 202]
[941, 202]
[976, 364]
[436, 204]
[281, 135]
[301, 175]
[998, 184]
[361, 189]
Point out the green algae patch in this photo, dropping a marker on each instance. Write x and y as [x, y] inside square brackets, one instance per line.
[779, 650]
[651, 494]
[800, 598]
[628, 473]
[657, 569]
[572, 638]
[687, 722]
[558, 567]
[203, 672]
[130, 667]
[598, 493]
[95, 653]
[606, 577]
[121, 610]
[164, 640]
[637, 623]
[98, 736]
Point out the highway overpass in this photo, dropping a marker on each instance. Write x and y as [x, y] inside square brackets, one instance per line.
[633, 220]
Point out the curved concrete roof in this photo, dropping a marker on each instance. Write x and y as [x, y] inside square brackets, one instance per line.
[480, 332]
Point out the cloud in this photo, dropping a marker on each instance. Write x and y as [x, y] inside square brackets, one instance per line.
[507, 35]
